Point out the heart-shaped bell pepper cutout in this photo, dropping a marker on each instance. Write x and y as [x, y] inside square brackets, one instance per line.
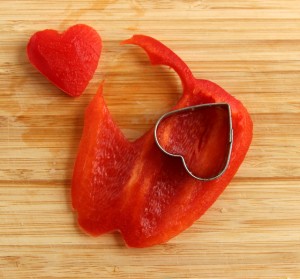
[200, 135]
[67, 59]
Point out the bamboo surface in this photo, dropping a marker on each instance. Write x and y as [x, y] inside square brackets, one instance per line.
[251, 48]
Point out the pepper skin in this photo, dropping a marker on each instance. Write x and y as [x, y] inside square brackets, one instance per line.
[69, 60]
[133, 187]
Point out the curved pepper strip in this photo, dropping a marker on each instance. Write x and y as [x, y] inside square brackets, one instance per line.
[133, 187]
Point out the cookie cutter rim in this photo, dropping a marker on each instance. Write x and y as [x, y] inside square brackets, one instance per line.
[192, 108]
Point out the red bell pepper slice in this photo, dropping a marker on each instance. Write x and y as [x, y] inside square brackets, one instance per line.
[133, 187]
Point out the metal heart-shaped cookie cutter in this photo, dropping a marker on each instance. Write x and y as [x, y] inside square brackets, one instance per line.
[193, 108]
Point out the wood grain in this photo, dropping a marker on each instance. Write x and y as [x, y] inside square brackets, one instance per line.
[251, 48]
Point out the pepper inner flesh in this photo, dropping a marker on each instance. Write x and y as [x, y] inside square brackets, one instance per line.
[200, 136]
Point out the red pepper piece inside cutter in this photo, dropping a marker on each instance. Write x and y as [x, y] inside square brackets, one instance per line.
[200, 135]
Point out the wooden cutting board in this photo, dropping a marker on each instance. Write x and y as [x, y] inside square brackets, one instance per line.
[251, 48]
